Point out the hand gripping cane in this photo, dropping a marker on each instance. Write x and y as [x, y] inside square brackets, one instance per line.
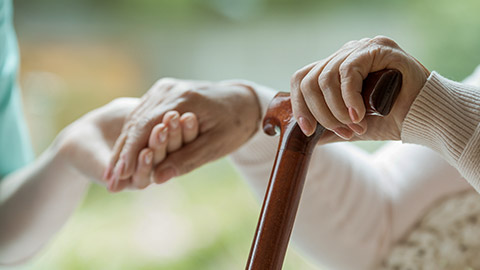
[380, 89]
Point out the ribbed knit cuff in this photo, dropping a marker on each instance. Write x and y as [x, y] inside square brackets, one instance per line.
[445, 117]
[469, 161]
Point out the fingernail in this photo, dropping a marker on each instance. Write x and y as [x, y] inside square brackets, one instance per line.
[174, 122]
[148, 158]
[353, 115]
[344, 133]
[356, 128]
[189, 122]
[162, 137]
[305, 126]
[166, 174]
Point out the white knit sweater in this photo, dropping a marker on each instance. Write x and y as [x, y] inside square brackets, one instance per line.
[364, 211]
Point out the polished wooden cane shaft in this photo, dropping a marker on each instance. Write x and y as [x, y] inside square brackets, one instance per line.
[284, 190]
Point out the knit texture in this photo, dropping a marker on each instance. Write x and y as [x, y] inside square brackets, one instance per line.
[446, 238]
[359, 210]
[445, 117]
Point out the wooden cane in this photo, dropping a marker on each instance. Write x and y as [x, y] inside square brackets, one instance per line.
[380, 89]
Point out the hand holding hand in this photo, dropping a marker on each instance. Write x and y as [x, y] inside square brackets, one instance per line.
[86, 144]
[169, 136]
[228, 115]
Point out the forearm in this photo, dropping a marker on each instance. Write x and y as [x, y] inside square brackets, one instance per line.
[446, 118]
[35, 202]
[354, 205]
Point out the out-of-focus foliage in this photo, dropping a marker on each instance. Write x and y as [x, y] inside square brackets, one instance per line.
[78, 55]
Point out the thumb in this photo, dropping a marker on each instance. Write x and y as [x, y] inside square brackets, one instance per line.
[189, 157]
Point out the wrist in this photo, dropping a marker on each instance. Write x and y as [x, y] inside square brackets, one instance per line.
[443, 117]
[263, 94]
[61, 149]
[250, 106]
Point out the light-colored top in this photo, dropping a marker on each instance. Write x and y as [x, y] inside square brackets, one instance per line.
[15, 146]
[356, 206]
[446, 118]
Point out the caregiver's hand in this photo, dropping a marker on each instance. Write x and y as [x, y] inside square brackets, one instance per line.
[329, 91]
[228, 115]
[86, 145]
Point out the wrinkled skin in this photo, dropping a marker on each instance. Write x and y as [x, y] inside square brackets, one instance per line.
[329, 91]
[228, 115]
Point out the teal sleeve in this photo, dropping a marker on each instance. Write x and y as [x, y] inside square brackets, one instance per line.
[15, 146]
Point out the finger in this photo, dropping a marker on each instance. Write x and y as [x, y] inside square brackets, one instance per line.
[141, 177]
[119, 186]
[137, 139]
[122, 138]
[329, 83]
[189, 124]
[304, 118]
[140, 124]
[359, 128]
[352, 75]
[372, 55]
[114, 158]
[116, 175]
[172, 120]
[301, 113]
[158, 142]
[190, 157]
[327, 78]
[317, 106]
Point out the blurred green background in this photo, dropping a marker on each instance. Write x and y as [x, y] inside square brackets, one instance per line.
[78, 55]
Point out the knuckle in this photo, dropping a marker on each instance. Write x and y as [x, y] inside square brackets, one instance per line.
[306, 86]
[345, 69]
[397, 57]
[325, 81]
[188, 98]
[384, 41]
[143, 122]
[165, 81]
[190, 93]
[351, 43]
[296, 79]
[163, 84]
[363, 40]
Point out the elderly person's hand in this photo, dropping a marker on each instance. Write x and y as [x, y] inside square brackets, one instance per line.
[228, 115]
[329, 91]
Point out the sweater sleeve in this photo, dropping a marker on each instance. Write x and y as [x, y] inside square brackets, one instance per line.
[354, 205]
[446, 118]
